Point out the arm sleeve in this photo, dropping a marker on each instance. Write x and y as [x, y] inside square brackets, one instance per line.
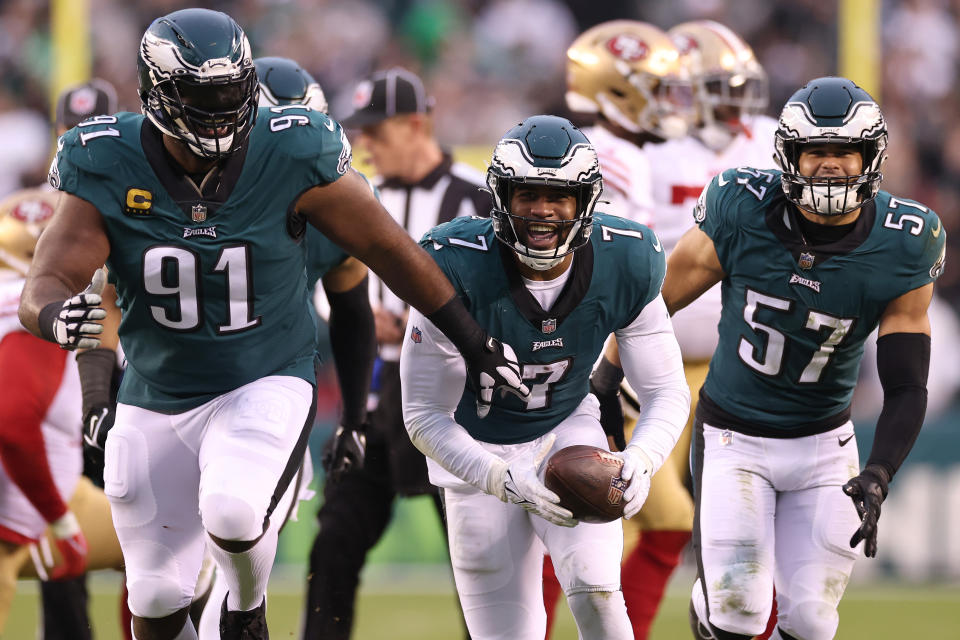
[30, 374]
[354, 344]
[653, 366]
[903, 361]
[433, 375]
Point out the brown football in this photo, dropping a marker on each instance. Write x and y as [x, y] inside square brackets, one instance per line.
[587, 479]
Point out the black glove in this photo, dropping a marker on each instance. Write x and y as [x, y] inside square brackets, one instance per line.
[868, 491]
[491, 368]
[491, 365]
[605, 384]
[97, 423]
[345, 451]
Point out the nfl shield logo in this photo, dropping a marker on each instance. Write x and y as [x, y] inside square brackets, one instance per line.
[198, 213]
[416, 335]
[726, 438]
[806, 260]
[617, 487]
[549, 325]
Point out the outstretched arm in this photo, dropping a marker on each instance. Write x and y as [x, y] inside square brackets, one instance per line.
[693, 267]
[347, 212]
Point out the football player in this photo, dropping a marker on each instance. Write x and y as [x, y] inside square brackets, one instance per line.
[42, 491]
[812, 258]
[628, 74]
[198, 208]
[284, 82]
[558, 279]
[730, 91]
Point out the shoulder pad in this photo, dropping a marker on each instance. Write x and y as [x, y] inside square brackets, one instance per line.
[303, 141]
[736, 194]
[98, 145]
[609, 227]
[299, 130]
[468, 232]
[917, 230]
[633, 250]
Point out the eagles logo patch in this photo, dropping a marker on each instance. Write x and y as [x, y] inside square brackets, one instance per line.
[700, 210]
[937, 269]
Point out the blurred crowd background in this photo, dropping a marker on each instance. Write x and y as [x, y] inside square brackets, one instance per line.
[491, 63]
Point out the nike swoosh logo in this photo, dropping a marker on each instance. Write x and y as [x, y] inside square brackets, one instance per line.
[936, 232]
[656, 245]
[842, 441]
[329, 124]
[721, 181]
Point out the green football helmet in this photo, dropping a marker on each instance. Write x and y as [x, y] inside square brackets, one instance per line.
[831, 110]
[551, 151]
[197, 80]
[283, 81]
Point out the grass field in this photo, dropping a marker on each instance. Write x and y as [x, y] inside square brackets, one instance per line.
[422, 609]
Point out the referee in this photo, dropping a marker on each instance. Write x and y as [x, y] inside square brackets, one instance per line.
[421, 186]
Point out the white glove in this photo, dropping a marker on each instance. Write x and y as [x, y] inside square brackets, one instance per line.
[520, 484]
[637, 470]
[75, 326]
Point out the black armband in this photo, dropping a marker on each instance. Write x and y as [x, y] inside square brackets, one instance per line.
[47, 317]
[455, 322]
[903, 362]
[96, 375]
[607, 378]
[353, 340]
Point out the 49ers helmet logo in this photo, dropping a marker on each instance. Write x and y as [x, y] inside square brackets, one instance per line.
[32, 211]
[628, 47]
[685, 44]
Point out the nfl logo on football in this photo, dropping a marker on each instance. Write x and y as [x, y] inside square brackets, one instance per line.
[617, 487]
[806, 260]
[549, 326]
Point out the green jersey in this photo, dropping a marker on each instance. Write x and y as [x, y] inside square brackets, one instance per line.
[795, 316]
[212, 284]
[612, 278]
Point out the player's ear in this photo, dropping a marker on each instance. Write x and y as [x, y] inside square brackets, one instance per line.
[419, 123]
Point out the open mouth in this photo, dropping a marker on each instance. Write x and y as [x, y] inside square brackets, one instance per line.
[213, 132]
[542, 236]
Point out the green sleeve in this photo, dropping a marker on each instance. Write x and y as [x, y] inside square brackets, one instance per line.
[714, 215]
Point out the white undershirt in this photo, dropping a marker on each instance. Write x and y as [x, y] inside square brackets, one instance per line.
[433, 375]
[546, 292]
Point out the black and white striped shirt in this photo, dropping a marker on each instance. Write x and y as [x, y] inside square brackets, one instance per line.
[451, 190]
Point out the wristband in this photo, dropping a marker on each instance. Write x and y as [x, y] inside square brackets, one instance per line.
[46, 319]
[455, 322]
[607, 377]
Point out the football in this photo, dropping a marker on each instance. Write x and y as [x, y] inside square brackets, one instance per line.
[587, 479]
